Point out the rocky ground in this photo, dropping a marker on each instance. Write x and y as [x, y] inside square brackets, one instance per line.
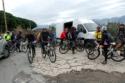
[68, 68]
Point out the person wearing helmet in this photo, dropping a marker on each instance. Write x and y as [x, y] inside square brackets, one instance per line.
[105, 43]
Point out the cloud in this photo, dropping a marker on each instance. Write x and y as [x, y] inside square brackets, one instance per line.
[47, 11]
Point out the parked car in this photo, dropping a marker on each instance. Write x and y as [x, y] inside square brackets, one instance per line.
[4, 50]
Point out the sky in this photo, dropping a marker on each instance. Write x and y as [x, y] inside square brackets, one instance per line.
[49, 11]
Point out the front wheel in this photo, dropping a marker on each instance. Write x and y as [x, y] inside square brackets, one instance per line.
[115, 56]
[52, 55]
[31, 55]
[95, 53]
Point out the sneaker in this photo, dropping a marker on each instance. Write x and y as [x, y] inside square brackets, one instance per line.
[104, 62]
[121, 54]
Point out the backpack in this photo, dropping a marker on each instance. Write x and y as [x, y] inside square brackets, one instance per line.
[69, 35]
[107, 38]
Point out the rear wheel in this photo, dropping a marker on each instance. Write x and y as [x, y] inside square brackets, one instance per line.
[117, 57]
[63, 49]
[80, 45]
[80, 48]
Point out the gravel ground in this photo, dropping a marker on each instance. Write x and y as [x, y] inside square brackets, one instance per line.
[68, 62]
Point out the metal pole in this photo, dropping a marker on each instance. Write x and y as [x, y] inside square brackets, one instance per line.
[5, 19]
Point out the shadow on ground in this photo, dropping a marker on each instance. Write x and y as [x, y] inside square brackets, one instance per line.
[88, 76]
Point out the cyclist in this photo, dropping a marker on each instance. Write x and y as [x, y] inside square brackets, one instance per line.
[105, 43]
[80, 35]
[71, 36]
[13, 36]
[18, 39]
[52, 37]
[120, 37]
[44, 38]
[63, 35]
[31, 39]
[98, 35]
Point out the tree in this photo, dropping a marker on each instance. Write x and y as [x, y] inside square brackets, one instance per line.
[113, 28]
[13, 22]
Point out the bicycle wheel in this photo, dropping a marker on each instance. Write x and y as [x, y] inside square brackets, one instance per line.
[52, 55]
[63, 49]
[43, 53]
[14, 50]
[80, 45]
[89, 50]
[80, 48]
[23, 49]
[108, 54]
[117, 57]
[30, 55]
[95, 53]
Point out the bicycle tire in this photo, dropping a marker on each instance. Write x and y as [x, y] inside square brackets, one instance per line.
[79, 45]
[90, 55]
[109, 55]
[52, 54]
[63, 50]
[79, 48]
[115, 57]
[43, 54]
[24, 49]
[30, 55]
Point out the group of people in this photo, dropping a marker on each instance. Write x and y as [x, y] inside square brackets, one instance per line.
[44, 36]
[71, 35]
[104, 39]
[12, 37]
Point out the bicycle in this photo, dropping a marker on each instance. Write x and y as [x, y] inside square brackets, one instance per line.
[80, 45]
[12, 46]
[50, 52]
[116, 54]
[66, 46]
[31, 52]
[112, 53]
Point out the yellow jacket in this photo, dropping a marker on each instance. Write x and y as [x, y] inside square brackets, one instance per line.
[98, 35]
[7, 37]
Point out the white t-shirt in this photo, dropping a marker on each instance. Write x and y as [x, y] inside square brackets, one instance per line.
[80, 35]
